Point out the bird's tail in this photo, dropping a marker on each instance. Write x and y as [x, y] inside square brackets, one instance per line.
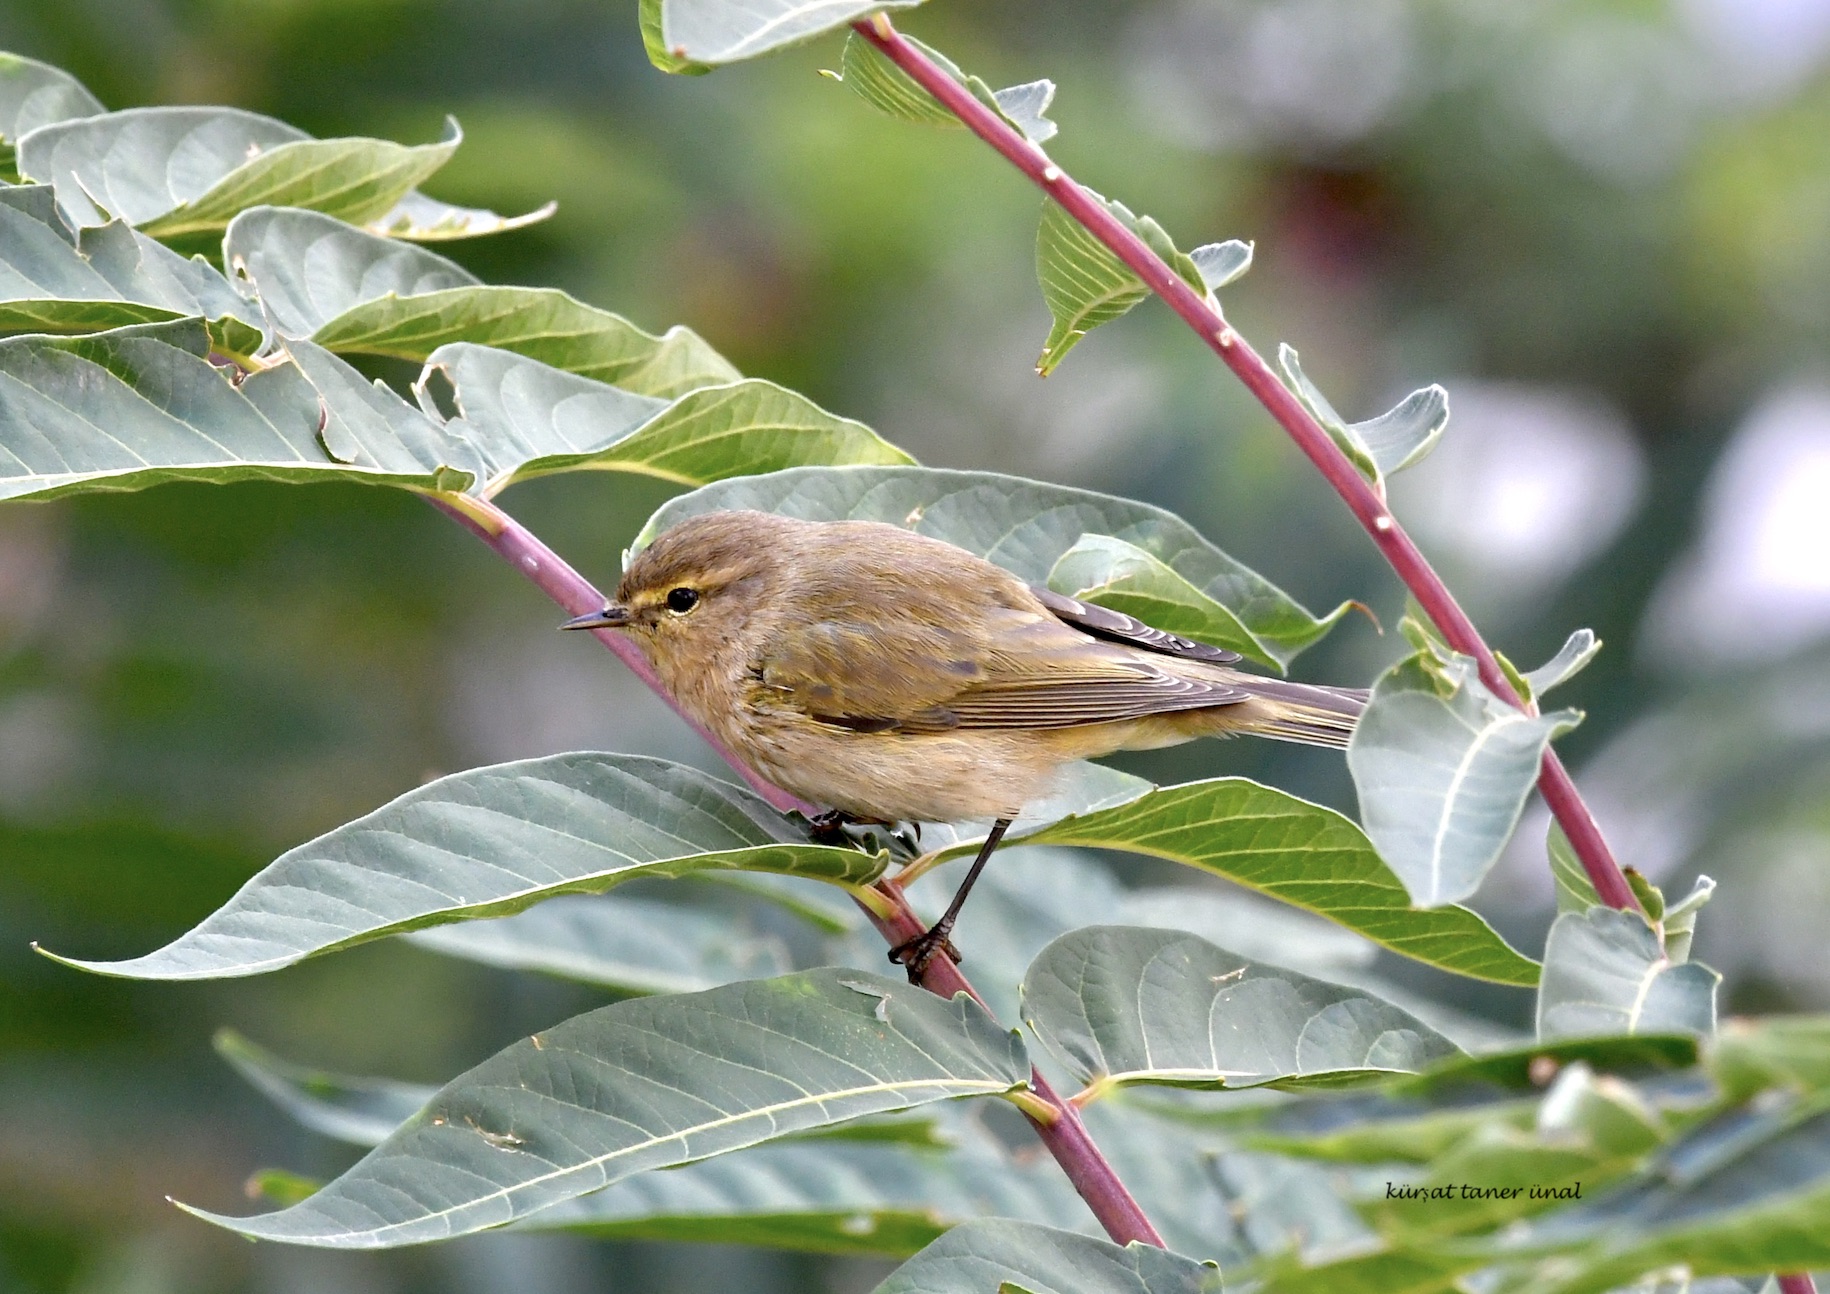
[1305, 712]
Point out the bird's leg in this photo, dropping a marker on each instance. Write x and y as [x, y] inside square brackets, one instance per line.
[915, 955]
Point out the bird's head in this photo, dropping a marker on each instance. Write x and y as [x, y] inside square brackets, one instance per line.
[699, 582]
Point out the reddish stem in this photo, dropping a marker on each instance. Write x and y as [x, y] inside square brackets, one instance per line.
[1065, 1134]
[1205, 318]
[1797, 1283]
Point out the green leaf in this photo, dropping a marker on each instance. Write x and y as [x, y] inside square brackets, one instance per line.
[488, 843]
[711, 32]
[630, 945]
[1113, 573]
[1299, 853]
[1442, 767]
[1575, 654]
[186, 172]
[1380, 446]
[1123, 1004]
[34, 94]
[56, 280]
[1221, 263]
[361, 1111]
[825, 1195]
[650, 1083]
[1575, 891]
[421, 219]
[1381, 1272]
[356, 292]
[1604, 973]
[1745, 1194]
[656, 46]
[998, 1253]
[139, 406]
[1792, 1052]
[1085, 284]
[869, 73]
[528, 419]
[1023, 526]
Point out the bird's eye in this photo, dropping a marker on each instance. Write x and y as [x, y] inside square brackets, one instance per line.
[680, 601]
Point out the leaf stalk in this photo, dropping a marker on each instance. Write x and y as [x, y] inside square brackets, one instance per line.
[1204, 316]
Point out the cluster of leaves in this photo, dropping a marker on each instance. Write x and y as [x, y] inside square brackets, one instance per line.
[182, 288]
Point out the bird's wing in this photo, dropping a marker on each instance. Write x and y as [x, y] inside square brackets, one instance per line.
[1014, 669]
[1116, 626]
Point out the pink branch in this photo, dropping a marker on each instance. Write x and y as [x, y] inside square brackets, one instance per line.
[1362, 500]
[1064, 1133]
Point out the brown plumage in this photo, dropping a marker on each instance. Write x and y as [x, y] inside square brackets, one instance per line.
[897, 677]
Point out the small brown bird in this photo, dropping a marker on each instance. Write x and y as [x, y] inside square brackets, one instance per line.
[896, 677]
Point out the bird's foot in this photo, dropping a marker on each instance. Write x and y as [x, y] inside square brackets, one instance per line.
[915, 955]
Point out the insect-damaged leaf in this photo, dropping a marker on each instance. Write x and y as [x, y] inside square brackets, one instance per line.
[650, 1083]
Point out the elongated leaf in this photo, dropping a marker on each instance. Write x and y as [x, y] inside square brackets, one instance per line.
[710, 32]
[1442, 767]
[1604, 973]
[1575, 891]
[310, 268]
[1113, 573]
[361, 1111]
[631, 945]
[869, 74]
[528, 420]
[1742, 1195]
[1792, 1052]
[139, 406]
[34, 94]
[356, 292]
[1085, 285]
[56, 280]
[826, 1196]
[1302, 854]
[1378, 447]
[999, 1254]
[1124, 1004]
[488, 843]
[421, 219]
[650, 1083]
[1023, 526]
[178, 172]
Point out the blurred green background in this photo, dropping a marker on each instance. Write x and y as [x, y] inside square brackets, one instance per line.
[1604, 226]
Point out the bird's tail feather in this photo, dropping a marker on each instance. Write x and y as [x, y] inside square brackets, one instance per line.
[1306, 712]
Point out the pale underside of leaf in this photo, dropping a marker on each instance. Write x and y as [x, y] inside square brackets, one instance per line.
[650, 1083]
[488, 843]
[708, 32]
[1605, 973]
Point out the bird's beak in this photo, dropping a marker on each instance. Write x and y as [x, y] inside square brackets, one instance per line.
[611, 617]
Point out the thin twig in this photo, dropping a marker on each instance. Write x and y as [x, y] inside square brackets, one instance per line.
[1203, 315]
[1064, 1133]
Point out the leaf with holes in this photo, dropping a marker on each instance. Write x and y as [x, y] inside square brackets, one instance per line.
[1604, 973]
[1443, 767]
[1124, 1004]
[651, 1083]
[1024, 526]
[352, 291]
[140, 406]
[54, 279]
[488, 843]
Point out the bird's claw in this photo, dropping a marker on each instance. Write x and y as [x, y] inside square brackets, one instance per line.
[914, 955]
